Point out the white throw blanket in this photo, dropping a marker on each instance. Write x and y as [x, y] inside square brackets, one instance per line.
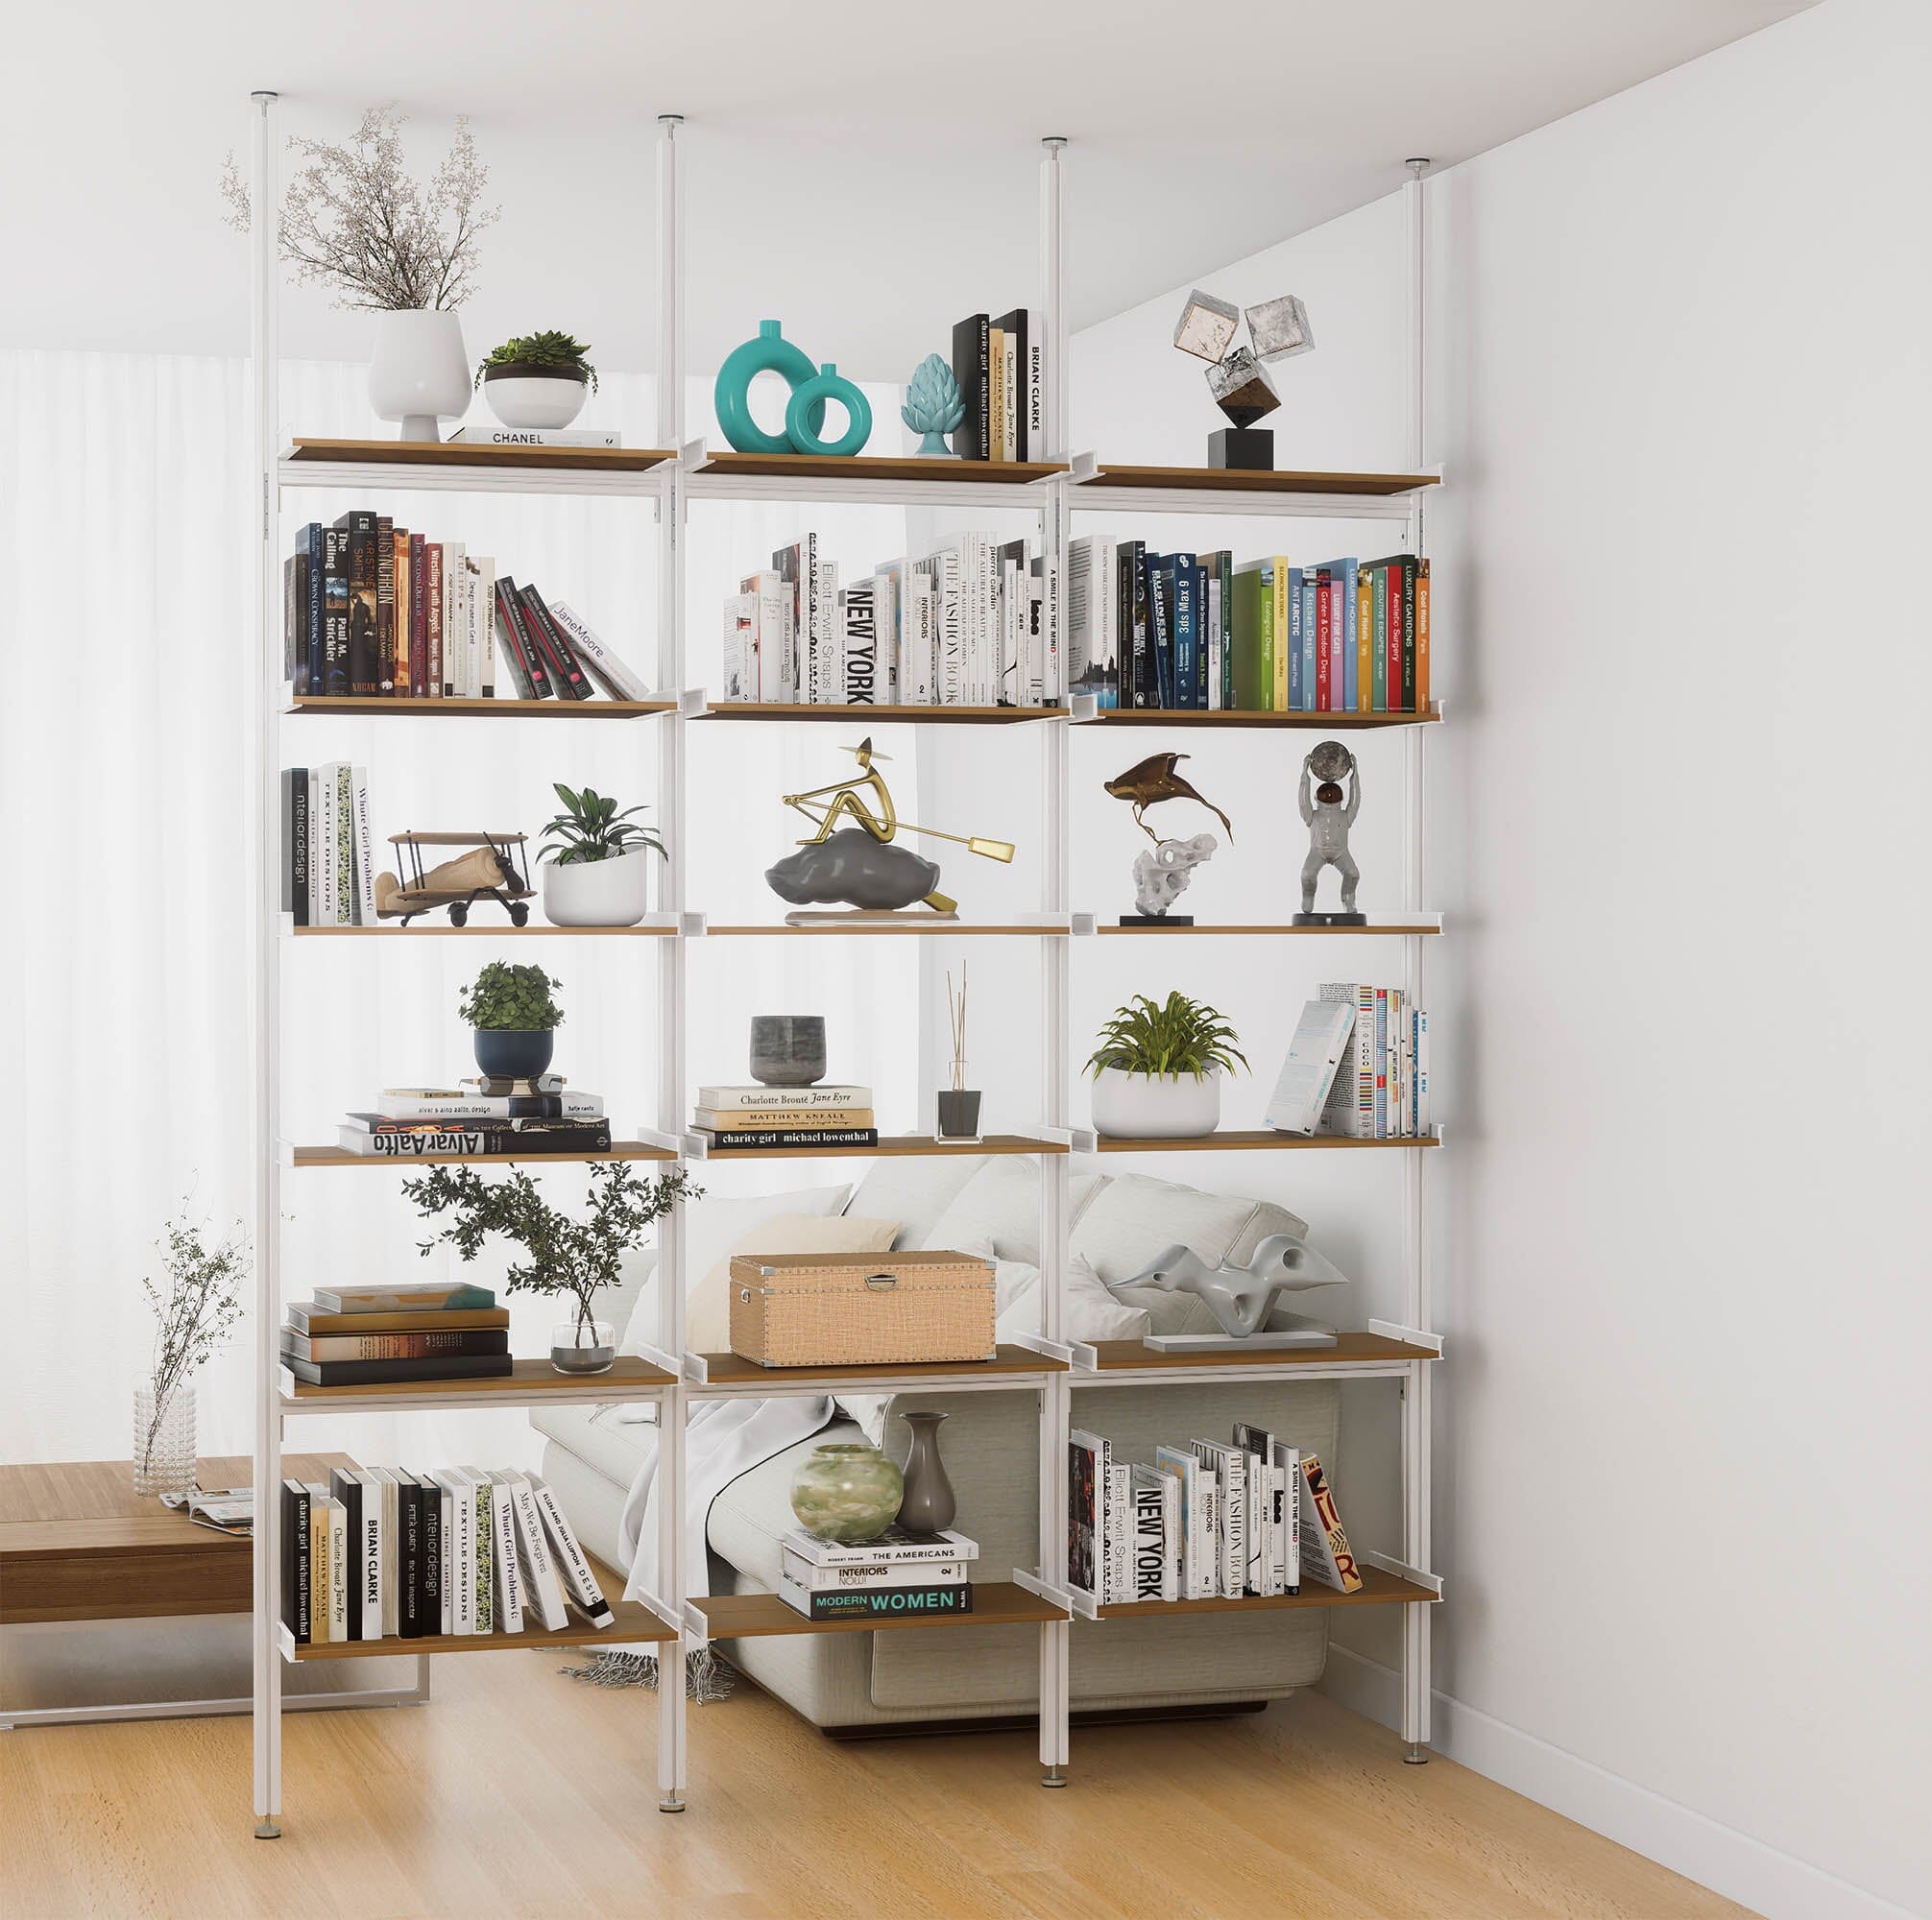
[724, 1438]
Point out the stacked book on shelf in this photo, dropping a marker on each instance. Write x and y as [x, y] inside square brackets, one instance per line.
[378, 1336]
[1201, 631]
[1357, 1064]
[371, 608]
[734, 1119]
[900, 1574]
[380, 1553]
[328, 850]
[483, 1115]
[1000, 365]
[1202, 1522]
[973, 623]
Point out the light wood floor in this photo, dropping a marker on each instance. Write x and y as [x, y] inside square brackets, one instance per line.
[519, 1792]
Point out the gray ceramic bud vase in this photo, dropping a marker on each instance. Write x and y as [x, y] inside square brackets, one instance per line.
[788, 1049]
[929, 1505]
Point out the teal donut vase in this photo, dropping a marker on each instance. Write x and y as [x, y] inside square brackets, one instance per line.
[771, 352]
[806, 415]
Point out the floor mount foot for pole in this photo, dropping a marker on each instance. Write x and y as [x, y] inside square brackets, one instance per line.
[1053, 1777]
[267, 1829]
[670, 1804]
[1416, 1756]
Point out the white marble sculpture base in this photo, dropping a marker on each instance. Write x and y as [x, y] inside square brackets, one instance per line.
[1233, 1343]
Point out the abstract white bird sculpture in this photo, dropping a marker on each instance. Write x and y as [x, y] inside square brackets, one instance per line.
[1240, 1298]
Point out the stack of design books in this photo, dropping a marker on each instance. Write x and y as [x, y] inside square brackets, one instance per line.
[734, 1119]
[900, 1572]
[478, 1117]
[366, 1336]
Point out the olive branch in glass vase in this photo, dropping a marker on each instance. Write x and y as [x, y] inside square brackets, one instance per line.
[198, 1302]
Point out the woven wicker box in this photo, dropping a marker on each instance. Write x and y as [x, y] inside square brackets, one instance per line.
[861, 1309]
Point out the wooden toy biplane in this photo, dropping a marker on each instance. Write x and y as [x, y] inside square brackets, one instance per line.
[493, 869]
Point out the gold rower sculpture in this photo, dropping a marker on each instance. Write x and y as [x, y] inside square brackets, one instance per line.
[852, 857]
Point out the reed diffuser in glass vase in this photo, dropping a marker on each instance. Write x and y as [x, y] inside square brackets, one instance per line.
[958, 1104]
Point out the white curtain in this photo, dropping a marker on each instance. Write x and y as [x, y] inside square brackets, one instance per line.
[124, 598]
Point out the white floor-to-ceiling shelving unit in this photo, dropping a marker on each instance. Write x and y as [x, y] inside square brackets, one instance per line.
[672, 479]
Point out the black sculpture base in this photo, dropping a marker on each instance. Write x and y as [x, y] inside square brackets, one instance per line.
[1251, 449]
[1329, 920]
[1157, 920]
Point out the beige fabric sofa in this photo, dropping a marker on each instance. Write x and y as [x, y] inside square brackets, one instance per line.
[991, 1445]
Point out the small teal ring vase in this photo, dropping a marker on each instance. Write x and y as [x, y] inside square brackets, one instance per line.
[771, 352]
[806, 415]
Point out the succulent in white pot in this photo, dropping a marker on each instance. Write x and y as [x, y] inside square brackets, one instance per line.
[1158, 1067]
[538, 379]
[594, 872]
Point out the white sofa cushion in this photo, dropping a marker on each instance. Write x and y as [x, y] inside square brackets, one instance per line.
[1001, 1204]
[915, 1191]
[1133, 1217]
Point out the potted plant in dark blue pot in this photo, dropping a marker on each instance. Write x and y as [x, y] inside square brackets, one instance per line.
[515, 1015]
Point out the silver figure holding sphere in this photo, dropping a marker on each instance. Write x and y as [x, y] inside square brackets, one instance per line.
[1329, 809]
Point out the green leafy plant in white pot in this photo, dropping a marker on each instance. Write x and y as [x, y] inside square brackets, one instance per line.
[594, 862]
[1157, 1069]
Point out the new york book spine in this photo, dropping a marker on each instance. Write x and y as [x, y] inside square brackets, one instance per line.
[877, 1604]
[1150, 1568]
[858, 651]
[970, 371]
[623, 684]
[572, 1562]
[385, 603]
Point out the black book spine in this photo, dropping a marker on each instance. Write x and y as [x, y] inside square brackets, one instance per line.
[527, 650]
[295, 621]
[409, 1561]
[295, 844]
[1134, 576]
[294, 1562]
[348, 1489]
[970, 370]
[334, 611]
[373, 1373]
[358, 529]
[737, 1140]
[311, 536]
[565, 668]
[429, 1607]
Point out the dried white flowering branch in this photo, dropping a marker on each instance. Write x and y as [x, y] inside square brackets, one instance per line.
[354, 219]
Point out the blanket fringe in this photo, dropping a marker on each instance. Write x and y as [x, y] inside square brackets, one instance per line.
[707, 1677]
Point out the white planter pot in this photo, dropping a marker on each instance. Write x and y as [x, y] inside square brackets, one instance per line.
[419, 373]
[521, 400]
[596, 893]
[1138, 1106]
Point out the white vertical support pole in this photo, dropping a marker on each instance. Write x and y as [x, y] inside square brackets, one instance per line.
[1056, 1397]
[263, 364]
[1416, 1468]
[671, 748]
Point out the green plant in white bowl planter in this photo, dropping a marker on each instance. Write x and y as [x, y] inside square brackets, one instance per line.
[538, 379]
[595, 859]
[1158, 1067]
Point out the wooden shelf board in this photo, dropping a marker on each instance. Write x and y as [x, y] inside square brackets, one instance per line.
[928, 716]
[528, 1379]
[391, 706]
[1244, 1139]
[1272, 480]
[480, 453]
[1378, 1590]
[496, 930]
[1132, 1356]
[1328, 932]
[634, 1621]
[890, 1146]
[889, 929]
[940, 470]
[337, 1155]
[752, 1616]
[1328, 723]
[733, 1369]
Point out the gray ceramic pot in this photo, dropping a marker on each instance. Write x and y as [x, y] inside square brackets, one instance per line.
[513, 1054]
[928, 1504]
[788, 1049]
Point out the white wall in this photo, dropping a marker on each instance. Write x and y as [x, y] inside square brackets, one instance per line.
[1677, 819]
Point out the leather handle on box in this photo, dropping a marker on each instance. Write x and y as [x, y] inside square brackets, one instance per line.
[878, 1283]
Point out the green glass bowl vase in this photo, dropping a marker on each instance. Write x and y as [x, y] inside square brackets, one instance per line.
[845, 1492]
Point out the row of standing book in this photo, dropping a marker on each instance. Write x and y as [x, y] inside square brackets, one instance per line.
[737, 1118]
[372, 610]
[1200, 631]
[484, 1114]
[901, 1573]
[1357, 1064]
[380, 1553]
[973, 623]
[1202, 1522]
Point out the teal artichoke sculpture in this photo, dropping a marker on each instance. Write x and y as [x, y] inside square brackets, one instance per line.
[933, 403]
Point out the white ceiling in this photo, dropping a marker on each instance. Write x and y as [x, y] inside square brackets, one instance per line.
[865, 172]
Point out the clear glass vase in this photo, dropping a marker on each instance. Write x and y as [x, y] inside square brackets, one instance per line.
[164, 1442]
[580, 1345]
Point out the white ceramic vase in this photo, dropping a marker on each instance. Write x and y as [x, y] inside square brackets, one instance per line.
[596, 893]
[534, 400]
[1141, 1105]
[419, 373]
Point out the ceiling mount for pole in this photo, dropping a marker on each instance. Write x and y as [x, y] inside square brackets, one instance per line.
[670, 119]
[1054, 140]
[1415, 166]
[264, 93]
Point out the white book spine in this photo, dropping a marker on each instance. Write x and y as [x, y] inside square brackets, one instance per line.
[456, 578]
[544, 1591]
[462, 1579]
[624, 682]
[322, 833]
[1254, 1529]
[483, 631]
[873, 1574]
[1119, 1533]
[1215, 645]
[1033, 384]
[369, 1561]
[509, 1578]
[572, 1560]
[338, 1570]
[1052, 621]
[364, 852]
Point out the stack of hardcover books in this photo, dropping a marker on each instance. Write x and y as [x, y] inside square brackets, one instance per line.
[367, 1335]
[477, 1116]
[380, 1553]
[734, 1119]
[899, 1573]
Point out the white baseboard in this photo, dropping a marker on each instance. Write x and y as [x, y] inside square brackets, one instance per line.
[1770, 1883]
